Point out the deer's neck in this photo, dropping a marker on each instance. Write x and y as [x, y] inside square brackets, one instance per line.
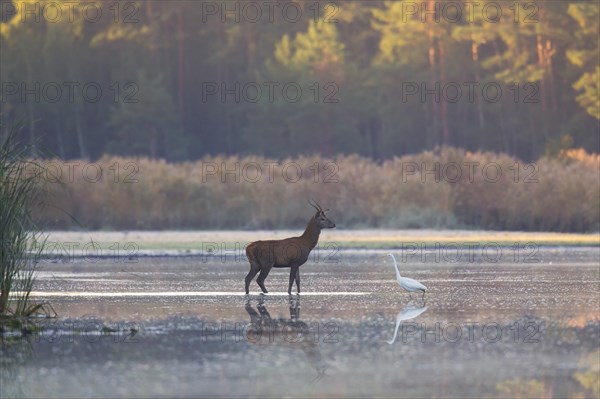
[312, 232]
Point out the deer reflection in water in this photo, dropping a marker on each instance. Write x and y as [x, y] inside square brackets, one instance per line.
[287, 333]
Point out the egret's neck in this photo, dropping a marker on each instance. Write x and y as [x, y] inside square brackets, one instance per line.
[396, 267]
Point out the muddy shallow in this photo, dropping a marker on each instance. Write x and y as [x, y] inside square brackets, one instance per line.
[181, 327]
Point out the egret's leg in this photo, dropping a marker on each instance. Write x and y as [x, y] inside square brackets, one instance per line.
[409, 295]
[423, 297]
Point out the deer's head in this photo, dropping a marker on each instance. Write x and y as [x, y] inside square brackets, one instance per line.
[320, 218]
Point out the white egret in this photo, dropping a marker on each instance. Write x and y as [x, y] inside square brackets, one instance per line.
[408, 284]
[410, 311]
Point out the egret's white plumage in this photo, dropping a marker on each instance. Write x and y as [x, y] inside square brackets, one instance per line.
[410, 311]
[408, 284]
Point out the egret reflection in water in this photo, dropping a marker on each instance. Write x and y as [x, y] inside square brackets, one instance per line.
[410, 311]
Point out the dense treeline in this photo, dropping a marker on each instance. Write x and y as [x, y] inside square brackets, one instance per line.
[447, 189]
[180, 80]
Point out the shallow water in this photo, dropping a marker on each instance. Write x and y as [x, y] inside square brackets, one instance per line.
[181, 326]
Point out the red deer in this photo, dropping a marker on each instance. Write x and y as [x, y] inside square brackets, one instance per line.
[290, 252]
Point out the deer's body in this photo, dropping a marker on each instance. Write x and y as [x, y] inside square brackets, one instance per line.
[290, 252]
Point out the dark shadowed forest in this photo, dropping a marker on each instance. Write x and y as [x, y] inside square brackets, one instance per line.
[278, 79]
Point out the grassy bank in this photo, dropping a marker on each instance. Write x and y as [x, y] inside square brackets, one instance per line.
[452, 189]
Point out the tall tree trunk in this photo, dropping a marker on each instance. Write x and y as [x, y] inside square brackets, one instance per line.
[59, 136]
[502, 121]
[550, 51]
[547, 88]
[31, 124]
[444, 110]
[180, 63]
[431, 54]
[475, 57]
[543, 86]
[153, 141]
[328, 147]
[30, 113]
[78, 129]
[373, 127]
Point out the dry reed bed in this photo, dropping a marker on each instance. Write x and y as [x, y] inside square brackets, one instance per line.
[414, 191]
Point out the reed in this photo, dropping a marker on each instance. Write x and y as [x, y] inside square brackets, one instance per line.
[21, 240]
[550, 194]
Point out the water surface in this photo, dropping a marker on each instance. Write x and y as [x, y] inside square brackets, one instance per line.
[181, 326]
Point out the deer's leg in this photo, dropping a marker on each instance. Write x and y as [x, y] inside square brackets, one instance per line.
[254, 317]
[298, 280]
[264, 313]
[254, 268]
[264, 272]
[293, 273]
[294, 304]
[261, 301]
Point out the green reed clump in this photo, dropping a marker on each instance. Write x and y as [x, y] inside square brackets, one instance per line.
[20, 239]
